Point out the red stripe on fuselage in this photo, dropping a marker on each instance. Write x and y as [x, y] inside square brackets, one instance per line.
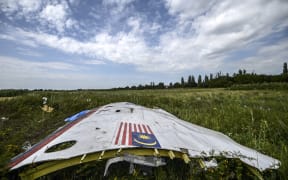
[139, 127]
[149, 129]
[124, 134]
[130, 134]
[118, 133]
[145, 130]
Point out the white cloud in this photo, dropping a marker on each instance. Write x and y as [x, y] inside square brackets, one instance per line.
[70, 23]
[188, 9]
[23, 6]
[15, 37]
[202, 40]
[20, 73]
[134, 23]
[24, 10]
[28, 52]
[29, 5]
[55, 16]
[15, 65]
[93, 62]
[225, 26]
[123, 48]
[9, 6]
[117, 6]
[269, 59]
[7, 37]
[120, 3]
[155, 27]
[75, 2]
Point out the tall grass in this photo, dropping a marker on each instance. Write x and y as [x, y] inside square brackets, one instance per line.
[257, 119]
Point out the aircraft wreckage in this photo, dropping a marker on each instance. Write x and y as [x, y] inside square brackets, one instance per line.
[132, 133]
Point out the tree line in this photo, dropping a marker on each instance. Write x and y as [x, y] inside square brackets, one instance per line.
[217, 81]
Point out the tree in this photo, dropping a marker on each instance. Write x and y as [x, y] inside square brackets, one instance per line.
[206, 81]
[182, 82]
[152, 85]
[140, 86]
[193, 82]
[190, 81]
[218, 74]
[161, 85]
[199, 80]
[177, 85]
[285, 71]
[240, 72]
[133, 87]
[211, 77]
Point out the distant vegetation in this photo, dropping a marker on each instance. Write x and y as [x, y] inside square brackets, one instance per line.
[12, 92]
[219, 80]
[254, 118]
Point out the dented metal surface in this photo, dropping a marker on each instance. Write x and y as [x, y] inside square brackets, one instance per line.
[125, 125]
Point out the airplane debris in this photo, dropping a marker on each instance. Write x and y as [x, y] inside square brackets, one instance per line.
[142, 136]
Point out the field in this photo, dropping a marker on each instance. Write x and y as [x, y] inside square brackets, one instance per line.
[254, 118]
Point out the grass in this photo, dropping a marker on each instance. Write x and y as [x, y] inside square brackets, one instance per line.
[254, 118]
[5, 98]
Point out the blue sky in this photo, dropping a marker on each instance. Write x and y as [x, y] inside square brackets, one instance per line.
[75, 44]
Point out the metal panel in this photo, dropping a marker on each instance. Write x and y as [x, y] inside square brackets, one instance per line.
[127, 126]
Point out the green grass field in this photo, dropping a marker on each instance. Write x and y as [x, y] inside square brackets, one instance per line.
[254, 118]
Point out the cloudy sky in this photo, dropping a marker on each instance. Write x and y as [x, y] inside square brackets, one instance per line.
[110, 43]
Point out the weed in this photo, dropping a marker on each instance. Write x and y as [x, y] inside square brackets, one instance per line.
[257, 119]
